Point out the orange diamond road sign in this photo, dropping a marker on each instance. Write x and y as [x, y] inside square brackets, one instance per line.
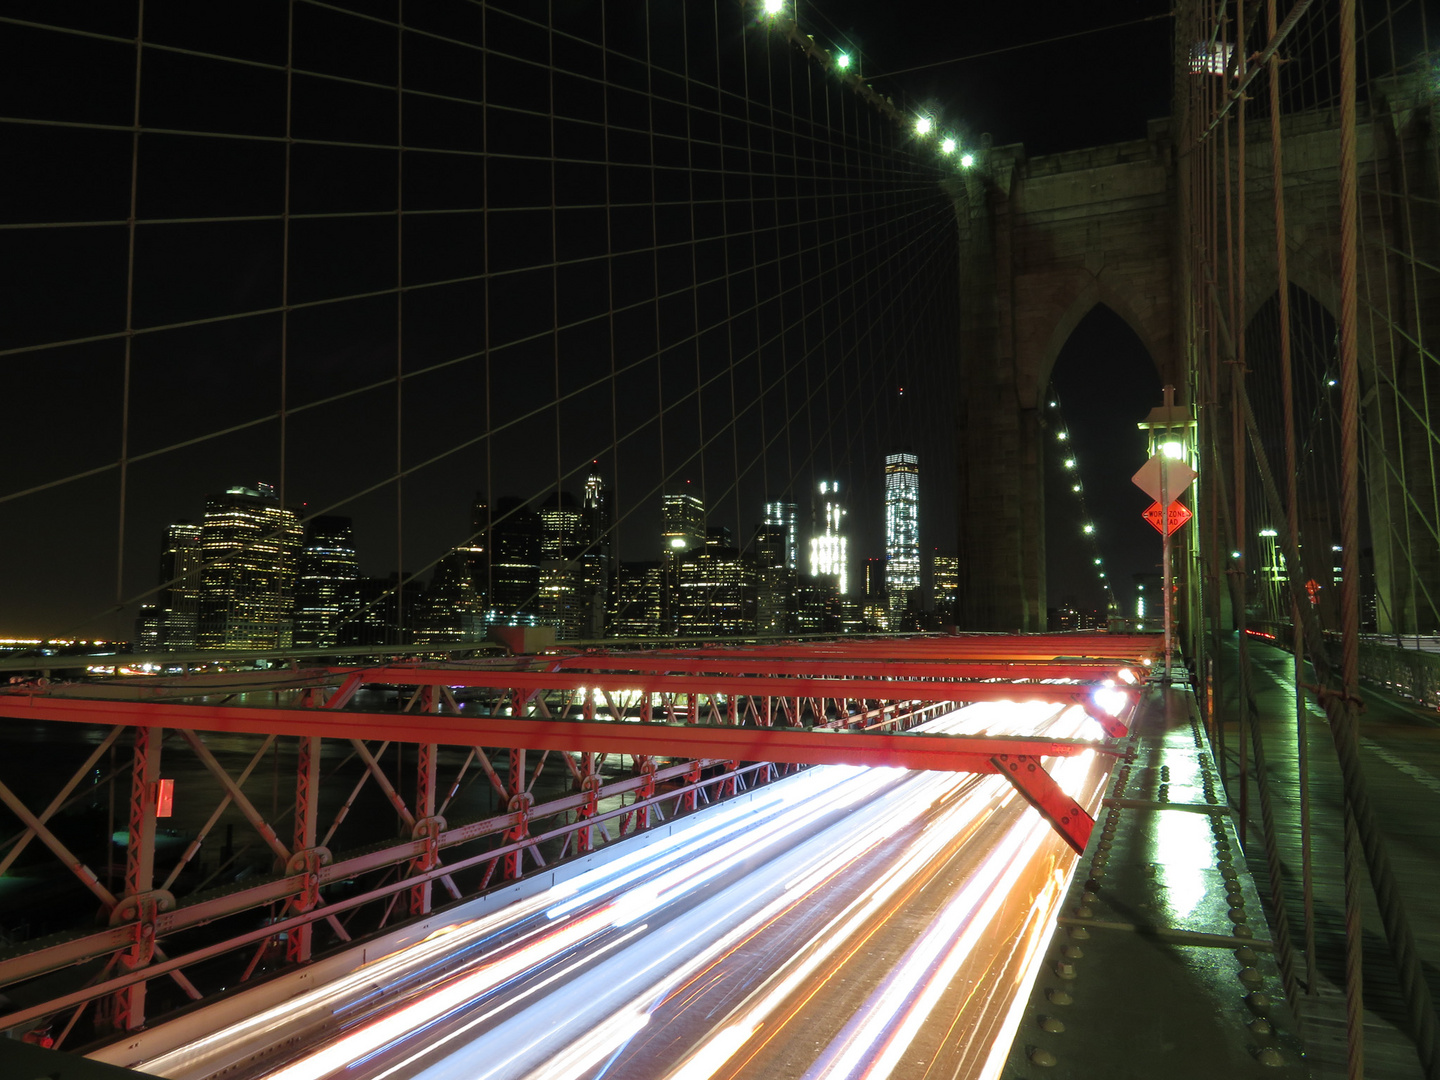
[1167, 523]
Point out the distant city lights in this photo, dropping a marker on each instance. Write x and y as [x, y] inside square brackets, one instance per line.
[947, 146]
[923, 125]
[966, 160]
[842, 61]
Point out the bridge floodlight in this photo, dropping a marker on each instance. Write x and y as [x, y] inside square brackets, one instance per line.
[1173, 450]
[1062, 435]
[1069, 463]
[1097, 562]
[773, 7]
[923, 125]
[966, 160]
[1089, 528]
[1075, 488]
[948, 146]
[842, 61]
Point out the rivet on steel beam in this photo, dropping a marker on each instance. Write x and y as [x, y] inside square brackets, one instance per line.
[1246, 955]
[1065, 970]
[1269, 1056]
[1260, 1026]
[1259, 1002]
[1072, 952]
[1040, 1056]
[1059, 996]
[1083, 912]
[1079, 933]
[1054, 1025]
[1251, 977]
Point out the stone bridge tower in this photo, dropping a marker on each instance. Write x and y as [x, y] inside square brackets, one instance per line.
[1045, 239]
[1042, 241]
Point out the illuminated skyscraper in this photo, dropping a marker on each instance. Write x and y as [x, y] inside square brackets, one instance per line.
[178, 602]
[902, 532]
[635, 600]
[250, 545]
[786, 516]
[829, 548]
[564, 546]
[450, 609]
[682, 522]
[947, 587]
[682, 529]
[328, 588]
[475, 549]
[599, 515]
[513, 548]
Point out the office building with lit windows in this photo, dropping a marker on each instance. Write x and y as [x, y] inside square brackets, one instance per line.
[451, 608]
[176, 613]
[682, 530]
[902, 534]
[327, 589]
[785, 517]
[829, 547]
[573, 571]
[250, 547]
[946, 571]
[682, 522]
[513, 550]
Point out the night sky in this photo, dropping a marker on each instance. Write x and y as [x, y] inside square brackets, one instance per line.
[335, 376]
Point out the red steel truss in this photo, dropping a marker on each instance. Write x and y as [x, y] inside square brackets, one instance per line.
[694, 724]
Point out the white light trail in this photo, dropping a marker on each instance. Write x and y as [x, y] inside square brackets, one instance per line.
[555, 986]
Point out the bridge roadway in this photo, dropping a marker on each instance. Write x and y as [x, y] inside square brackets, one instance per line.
[768, 936]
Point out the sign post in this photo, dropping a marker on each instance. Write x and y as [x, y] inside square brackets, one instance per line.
[1164, 477]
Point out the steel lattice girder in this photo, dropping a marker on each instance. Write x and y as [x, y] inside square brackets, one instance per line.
[933, 689]
[53, 955]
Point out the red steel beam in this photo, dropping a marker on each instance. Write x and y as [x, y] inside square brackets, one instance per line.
[963, 753]
[1040, 790]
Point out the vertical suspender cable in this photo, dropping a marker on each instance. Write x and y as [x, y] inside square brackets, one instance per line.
[1292, 497]
[565, 599]
[616, 554]
[129, 308]
[1349, 524]
[695, 316]
[400, 322]
[1235, 236]
[285, 256]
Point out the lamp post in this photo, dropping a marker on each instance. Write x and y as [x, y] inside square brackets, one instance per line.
[1170, 431]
